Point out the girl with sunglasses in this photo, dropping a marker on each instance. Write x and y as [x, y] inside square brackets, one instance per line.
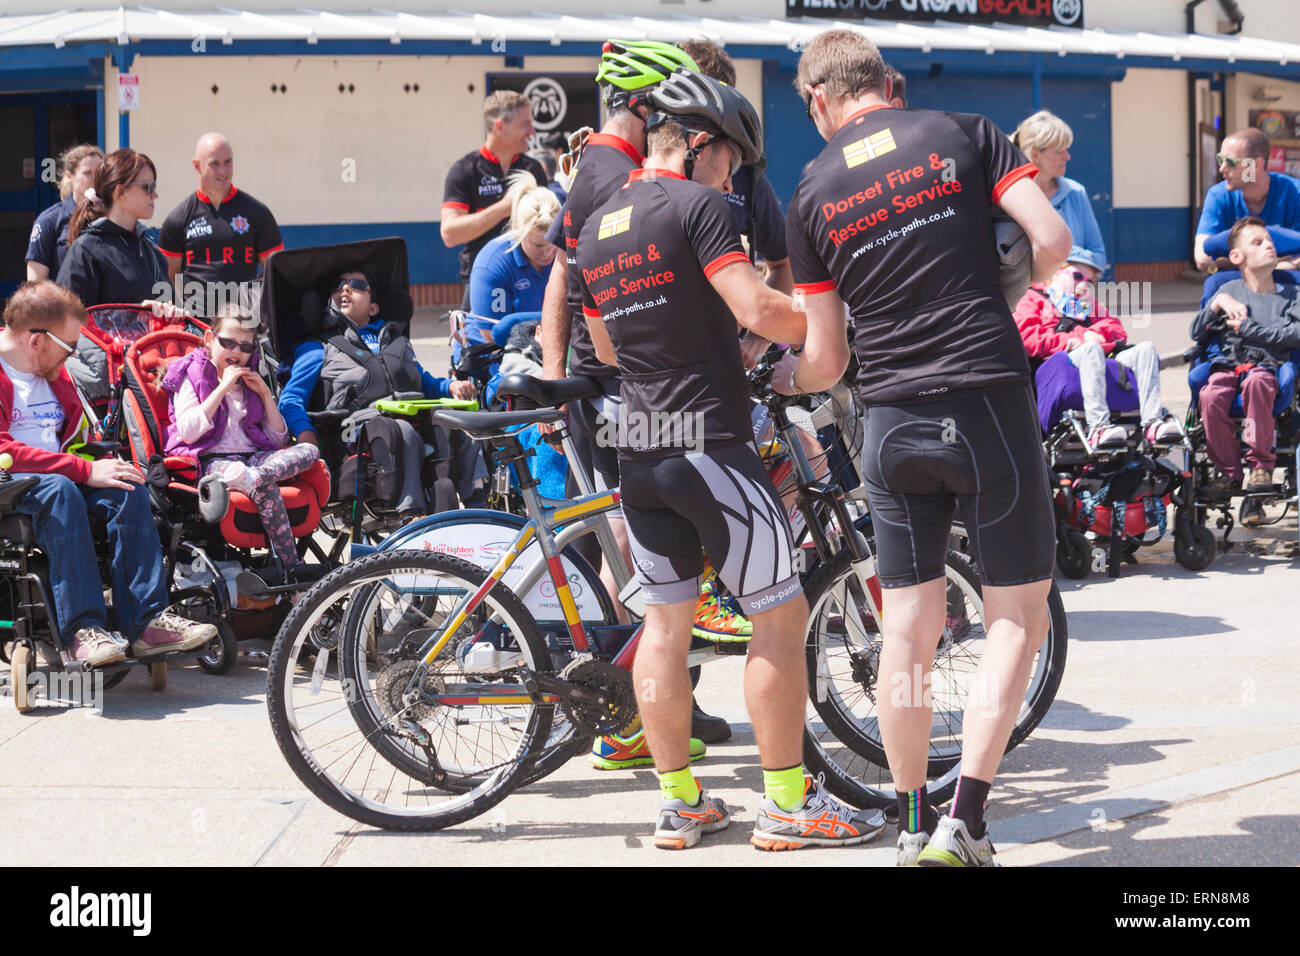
[223, 413]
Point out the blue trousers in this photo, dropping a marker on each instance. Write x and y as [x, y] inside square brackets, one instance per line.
[59, 508]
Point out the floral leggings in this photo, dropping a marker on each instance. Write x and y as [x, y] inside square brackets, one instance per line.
[257, 475]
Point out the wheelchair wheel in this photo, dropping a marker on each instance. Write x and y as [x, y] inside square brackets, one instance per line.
[1194, 544]
[20, 665]
[222, 651]
[1074, 555]
[158, 676]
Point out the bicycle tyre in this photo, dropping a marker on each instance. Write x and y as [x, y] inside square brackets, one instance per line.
[414, 803]
[563, 744]
[855, 764]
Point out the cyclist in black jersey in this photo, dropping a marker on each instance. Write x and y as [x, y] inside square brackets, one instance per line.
[894, 218]
[665, 280]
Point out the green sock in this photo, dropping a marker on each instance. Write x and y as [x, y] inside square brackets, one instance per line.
[784, 787]
[680, 785]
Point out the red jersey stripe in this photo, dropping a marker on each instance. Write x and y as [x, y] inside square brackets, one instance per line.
[813, 288]
[723, 261]
[1011, 178]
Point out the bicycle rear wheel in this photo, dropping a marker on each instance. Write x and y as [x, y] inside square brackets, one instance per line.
[842, 730]
[375, 733]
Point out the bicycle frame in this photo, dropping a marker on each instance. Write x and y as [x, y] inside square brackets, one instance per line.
[585, 513]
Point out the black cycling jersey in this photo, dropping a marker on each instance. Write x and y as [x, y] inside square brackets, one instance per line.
[603, 169]
[646, 256]
[476, 181]
[48, 243]
[756, 197]
[895, 214]
[219, 244]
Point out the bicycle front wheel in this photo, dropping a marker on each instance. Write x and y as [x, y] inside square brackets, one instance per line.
[842, 729]
[382, 736]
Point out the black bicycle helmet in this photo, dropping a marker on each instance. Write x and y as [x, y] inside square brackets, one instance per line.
[701, 102]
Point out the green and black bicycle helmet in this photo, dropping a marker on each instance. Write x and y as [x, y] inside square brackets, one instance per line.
[630, 65]
[701, 102]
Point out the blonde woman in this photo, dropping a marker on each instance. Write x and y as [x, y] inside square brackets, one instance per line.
[49, 239]
[508, 280]
[1045, 140]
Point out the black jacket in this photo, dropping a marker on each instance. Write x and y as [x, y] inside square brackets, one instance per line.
[1267, 336]
[107, 263]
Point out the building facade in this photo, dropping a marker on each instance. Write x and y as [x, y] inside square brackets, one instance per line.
[345, 121]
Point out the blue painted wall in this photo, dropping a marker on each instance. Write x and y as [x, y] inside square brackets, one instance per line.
[1153, 235]
[430, 260]
[1083, 102]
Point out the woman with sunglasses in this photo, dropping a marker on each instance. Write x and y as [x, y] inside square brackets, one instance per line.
[1065, 316]
[109, 259]
[1045, 140]
[223, 413]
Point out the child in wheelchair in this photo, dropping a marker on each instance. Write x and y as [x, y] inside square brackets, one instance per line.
[40, 418]
[223, 413]
[360, 357]
[1247, 331]
[1081, 345]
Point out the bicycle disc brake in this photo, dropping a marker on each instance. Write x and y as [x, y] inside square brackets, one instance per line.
[603, 699]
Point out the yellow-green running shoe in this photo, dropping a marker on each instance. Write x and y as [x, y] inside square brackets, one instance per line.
[613, 752]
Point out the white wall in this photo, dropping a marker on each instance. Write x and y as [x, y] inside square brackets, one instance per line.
[1149, 138]
[1241, 96]
[292, 149]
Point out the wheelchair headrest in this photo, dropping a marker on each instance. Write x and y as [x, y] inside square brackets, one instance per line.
[313, 312]
[395, 307]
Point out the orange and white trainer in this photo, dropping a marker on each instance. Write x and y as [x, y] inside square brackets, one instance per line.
[681, 825]
[821, 821]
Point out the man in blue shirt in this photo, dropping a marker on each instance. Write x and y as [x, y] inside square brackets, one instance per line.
[1248, 189]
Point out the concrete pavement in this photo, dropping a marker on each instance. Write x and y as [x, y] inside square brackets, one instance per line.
[1174, 740]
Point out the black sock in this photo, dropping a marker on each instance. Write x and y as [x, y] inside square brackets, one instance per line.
[968, 807]
[915, 812]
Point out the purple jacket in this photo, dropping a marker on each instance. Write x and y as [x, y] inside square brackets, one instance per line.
[198, 369]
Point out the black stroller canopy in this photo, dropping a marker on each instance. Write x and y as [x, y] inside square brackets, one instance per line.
[292, 273]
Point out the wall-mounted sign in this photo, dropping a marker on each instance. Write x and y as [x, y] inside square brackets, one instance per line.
[561, 103]
[128, 91]
[1038, 13]
[1277, 124]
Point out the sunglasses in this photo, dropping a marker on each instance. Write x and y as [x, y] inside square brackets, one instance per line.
[69, 349]
[809, 102]
[1078, 276]
[232, 344]
[148, 187]
[359, 285]
[1232, 162]
[735, 153]
[577, 140]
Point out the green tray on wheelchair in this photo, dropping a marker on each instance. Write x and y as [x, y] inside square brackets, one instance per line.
[412, 408]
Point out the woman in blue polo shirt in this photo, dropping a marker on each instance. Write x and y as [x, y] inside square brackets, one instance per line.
[508, 280]
[1045, 140]
[49, 239]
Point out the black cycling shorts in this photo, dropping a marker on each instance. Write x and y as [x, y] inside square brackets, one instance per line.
[597, 452]
[721, 500]
[978, 453]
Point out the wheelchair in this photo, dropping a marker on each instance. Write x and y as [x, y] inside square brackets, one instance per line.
[295, 294]
[1116, 499]
[213, 543]
[1286, 421]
